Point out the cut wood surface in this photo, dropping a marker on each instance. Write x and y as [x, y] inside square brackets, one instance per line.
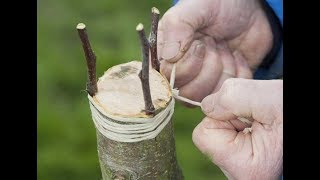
[120, 92]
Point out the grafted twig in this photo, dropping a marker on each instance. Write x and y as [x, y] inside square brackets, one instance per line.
[144, 73]
[153, 38]
[91, 60]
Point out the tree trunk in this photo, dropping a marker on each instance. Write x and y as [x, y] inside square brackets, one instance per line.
[148, 159]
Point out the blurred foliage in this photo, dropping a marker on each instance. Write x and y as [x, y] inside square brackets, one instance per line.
[66, 134]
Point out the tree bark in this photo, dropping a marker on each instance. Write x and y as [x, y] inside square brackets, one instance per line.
[149, 159]
[154, 158]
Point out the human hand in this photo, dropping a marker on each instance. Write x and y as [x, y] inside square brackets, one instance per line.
[243, 153]
[212, 40]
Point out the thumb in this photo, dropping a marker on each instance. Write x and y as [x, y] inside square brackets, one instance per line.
[260, 100]
[220, 141]
[176, 31]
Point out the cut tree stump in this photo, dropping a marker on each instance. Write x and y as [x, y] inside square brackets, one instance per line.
[120, 94]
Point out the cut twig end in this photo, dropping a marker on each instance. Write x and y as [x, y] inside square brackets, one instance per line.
[155, 10]
[139, 27]
[81, 26]
[153, 38]
[144, 73]
[92, 88]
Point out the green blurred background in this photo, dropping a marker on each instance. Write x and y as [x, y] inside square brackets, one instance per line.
[66, 134]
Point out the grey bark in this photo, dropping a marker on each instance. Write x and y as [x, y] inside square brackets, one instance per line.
[149, 159]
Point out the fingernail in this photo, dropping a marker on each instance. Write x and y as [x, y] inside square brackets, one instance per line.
[199, 51]
[207, 104]
[170, 50]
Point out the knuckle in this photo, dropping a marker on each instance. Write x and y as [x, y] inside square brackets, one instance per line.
[199, 136]
[228, 90]
[169, 18]
[196, 136]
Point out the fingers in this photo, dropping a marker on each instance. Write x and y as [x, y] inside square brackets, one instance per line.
[239, 125]
[228, 63]
[220, 141]
[253, 99]
[178, 26]
[242, 68]
[175, 34]
[188, 67]
[205, 81]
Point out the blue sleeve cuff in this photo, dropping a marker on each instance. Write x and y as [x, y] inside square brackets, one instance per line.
[275, 71]
[277, 6]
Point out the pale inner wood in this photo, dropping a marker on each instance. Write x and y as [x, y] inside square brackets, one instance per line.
[120, 91]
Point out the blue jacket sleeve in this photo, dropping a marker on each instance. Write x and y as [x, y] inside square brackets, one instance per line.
[275, 70]
[277, 6]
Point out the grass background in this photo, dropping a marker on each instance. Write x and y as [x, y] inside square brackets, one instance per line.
[66, 134]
